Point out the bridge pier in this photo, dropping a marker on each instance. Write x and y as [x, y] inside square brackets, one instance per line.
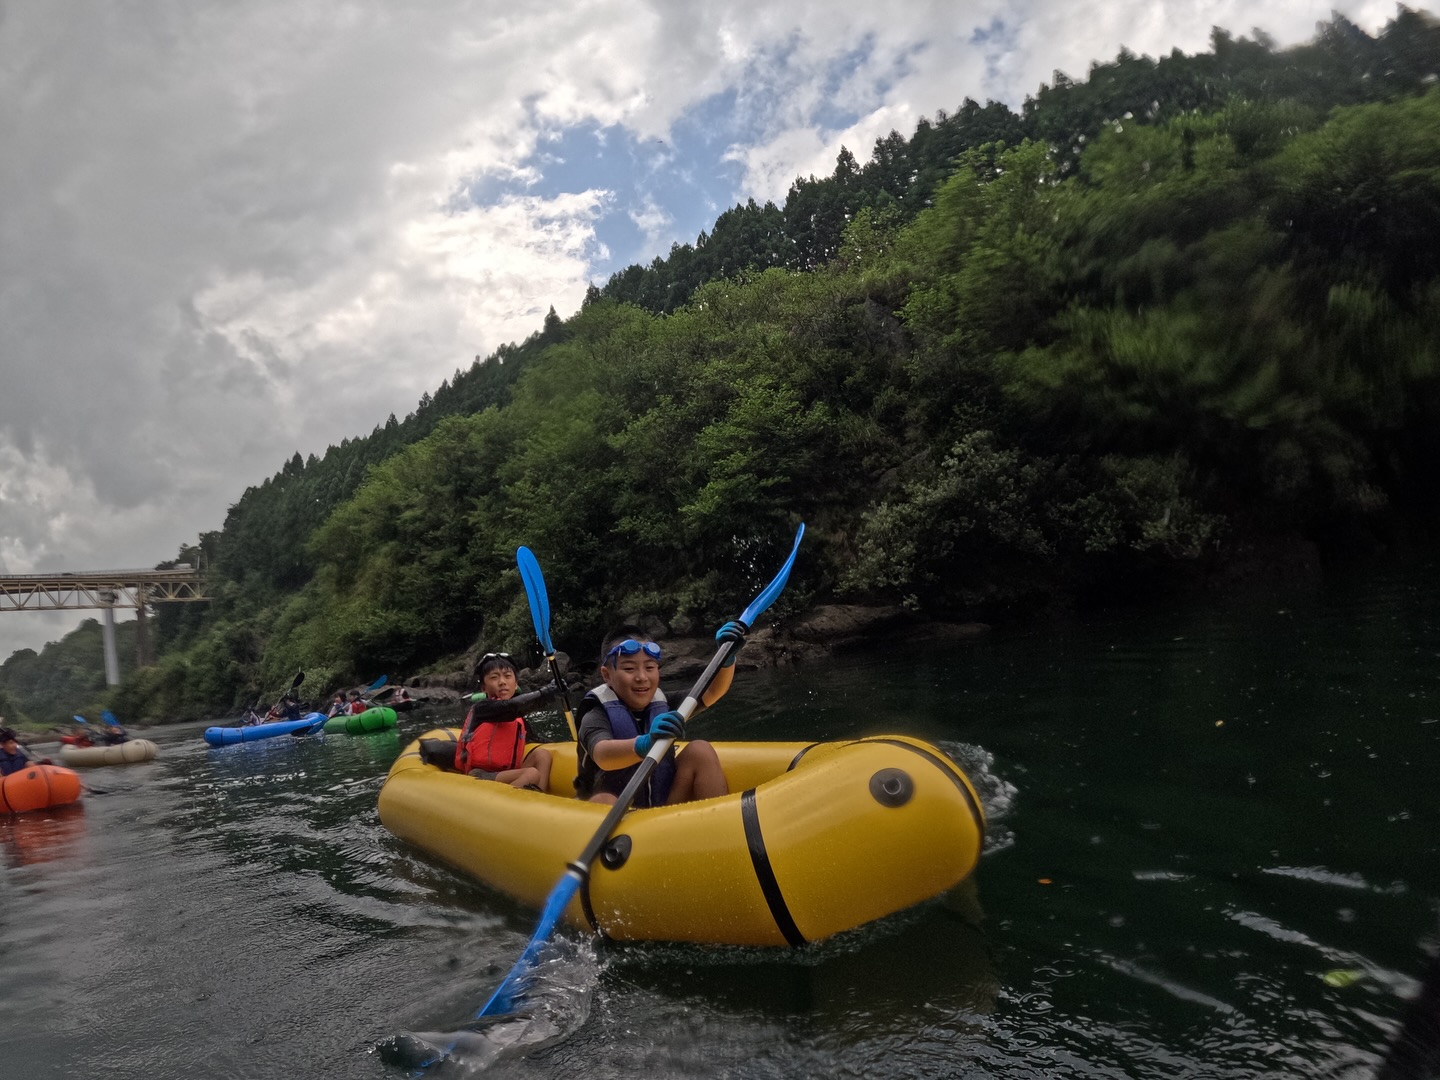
[112, 660]
[142, 635]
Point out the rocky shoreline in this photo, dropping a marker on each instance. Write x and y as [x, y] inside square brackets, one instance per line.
[821, 632]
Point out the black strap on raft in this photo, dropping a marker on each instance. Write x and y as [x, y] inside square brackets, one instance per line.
[765, 873]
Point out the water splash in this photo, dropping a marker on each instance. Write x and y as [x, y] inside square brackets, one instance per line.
[557, 1004]
[997, 795]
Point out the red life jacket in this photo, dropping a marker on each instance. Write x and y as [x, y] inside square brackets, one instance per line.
[494, 747]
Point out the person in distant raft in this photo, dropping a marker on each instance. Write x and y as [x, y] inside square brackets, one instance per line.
[492, 741]
[287, 708]
[79, 736]
[621, 720]
[13, 757]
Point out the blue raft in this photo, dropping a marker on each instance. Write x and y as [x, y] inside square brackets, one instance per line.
[224, 736]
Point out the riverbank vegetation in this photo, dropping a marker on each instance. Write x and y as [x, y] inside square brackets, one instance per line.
[1157, 317]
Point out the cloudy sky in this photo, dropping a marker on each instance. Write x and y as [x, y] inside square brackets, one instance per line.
[233, 230]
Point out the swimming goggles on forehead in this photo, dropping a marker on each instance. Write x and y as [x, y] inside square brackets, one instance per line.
[504, 658]
[629, 647]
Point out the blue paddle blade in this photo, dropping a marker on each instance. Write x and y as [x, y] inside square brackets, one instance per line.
[79, 719]
[535, 591]
[513, 988]
[381, 681]
[109, 718]
[771, 591]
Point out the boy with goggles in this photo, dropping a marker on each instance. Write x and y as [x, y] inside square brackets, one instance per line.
[623, 718]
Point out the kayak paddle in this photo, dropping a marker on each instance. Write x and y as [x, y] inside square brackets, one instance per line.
[540, 615]
[512, 988]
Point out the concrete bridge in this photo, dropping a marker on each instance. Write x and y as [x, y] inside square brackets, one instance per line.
[106, 590]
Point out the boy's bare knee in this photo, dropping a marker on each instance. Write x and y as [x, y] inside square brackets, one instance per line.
[700, 752]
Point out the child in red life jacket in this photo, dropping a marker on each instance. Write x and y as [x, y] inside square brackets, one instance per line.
[492, 742]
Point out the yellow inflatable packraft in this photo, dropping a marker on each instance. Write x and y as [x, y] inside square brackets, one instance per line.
[815, 838]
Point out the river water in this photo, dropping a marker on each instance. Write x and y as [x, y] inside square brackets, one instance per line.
[1197, 815]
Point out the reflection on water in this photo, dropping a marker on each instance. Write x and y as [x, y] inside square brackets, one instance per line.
[41, 835]
[1212, 853]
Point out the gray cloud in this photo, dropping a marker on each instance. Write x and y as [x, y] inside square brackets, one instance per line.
[231, 231]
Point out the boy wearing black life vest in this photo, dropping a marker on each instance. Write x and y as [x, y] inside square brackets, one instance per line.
[492, 742]
[622, 719]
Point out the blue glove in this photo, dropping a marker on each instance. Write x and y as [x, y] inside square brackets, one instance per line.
[731, 631]
[668, 725]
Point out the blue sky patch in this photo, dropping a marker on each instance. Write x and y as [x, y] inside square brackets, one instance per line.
[663, 190]
[667, 190]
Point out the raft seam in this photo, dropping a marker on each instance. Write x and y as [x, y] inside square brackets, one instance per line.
[765, 873]
[796, 759]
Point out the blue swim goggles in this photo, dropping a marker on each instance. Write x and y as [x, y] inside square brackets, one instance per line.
[629, 647]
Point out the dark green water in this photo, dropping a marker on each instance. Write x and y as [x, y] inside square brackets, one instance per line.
[1195, 816]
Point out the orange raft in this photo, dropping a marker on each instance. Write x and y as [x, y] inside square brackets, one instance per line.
[38, 787]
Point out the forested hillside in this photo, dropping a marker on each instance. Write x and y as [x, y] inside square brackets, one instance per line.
[1165, 312]
[65, 677]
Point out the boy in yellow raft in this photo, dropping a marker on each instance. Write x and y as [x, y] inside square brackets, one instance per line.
[621, 719]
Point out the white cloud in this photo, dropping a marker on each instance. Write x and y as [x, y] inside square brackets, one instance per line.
[230, 231]
[652, 220]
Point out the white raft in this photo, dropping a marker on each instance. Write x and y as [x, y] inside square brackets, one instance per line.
[129, 752]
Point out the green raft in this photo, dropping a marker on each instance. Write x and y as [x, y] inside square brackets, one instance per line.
[376, 719]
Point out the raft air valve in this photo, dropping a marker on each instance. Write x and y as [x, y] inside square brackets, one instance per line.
[892, 787]
[615, 852]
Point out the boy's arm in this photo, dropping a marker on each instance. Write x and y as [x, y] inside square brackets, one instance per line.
[733, 632]
[720, 682]
[718, 685]
[489, 709]
[608, 752]
[612, 754]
